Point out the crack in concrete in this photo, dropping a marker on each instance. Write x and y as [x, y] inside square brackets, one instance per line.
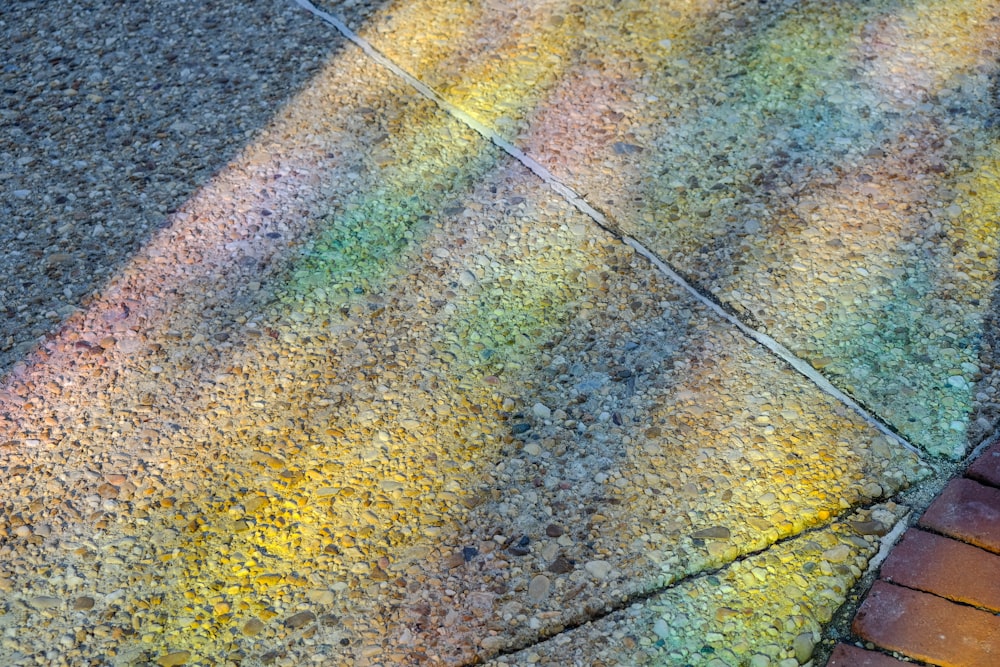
[638, 598]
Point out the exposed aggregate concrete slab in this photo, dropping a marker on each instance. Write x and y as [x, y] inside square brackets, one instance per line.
[373, 395]
[826, 171]
[392, 404]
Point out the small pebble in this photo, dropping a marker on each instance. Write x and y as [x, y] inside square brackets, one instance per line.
[44, 602]
[252, 627]
[174, 659]
[296, 621]
[454, 560]
[538, 589]
[561, 565]
[803, 645]
[837, 554]
[600, 569]
[83, 603]
[713, 533]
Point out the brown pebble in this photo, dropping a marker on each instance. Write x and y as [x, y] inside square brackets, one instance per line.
[723, 614]
[298, 620]
[553, 530]
[713, 533]
[560, 565]
[255, 503]
[869, 527]
[454, 560]
[83, 603]
[107, 491]
[252, 627]
[174, 659]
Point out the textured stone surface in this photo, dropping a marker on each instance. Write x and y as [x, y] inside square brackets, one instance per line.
[300, 369]
[112, 116]
[792, 589]
[313, 395]
[829, 171]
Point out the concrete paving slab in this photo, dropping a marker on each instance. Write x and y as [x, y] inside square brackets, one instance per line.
[374, 395]
[826, 171]
[986, 468]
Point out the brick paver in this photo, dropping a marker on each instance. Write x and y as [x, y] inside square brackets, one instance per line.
[845, 655]
[928, 628]
[945, 567]
[968, 511]
[986, 468]
[935, 592]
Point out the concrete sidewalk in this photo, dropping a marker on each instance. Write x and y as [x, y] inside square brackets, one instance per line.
[451, 333]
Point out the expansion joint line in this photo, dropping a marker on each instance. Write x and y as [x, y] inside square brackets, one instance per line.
[570, 195]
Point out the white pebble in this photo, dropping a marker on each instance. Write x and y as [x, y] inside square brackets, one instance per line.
[538, 589]
[600, 569]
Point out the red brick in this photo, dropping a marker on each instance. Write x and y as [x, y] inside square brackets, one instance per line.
[925, 627]
[945, 567]
[968, 511]
[986, 468]
[845, 655]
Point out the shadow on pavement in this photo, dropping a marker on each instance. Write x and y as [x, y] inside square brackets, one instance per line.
[111, 116]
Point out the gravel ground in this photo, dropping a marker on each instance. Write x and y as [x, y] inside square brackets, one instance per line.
[362, 390]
